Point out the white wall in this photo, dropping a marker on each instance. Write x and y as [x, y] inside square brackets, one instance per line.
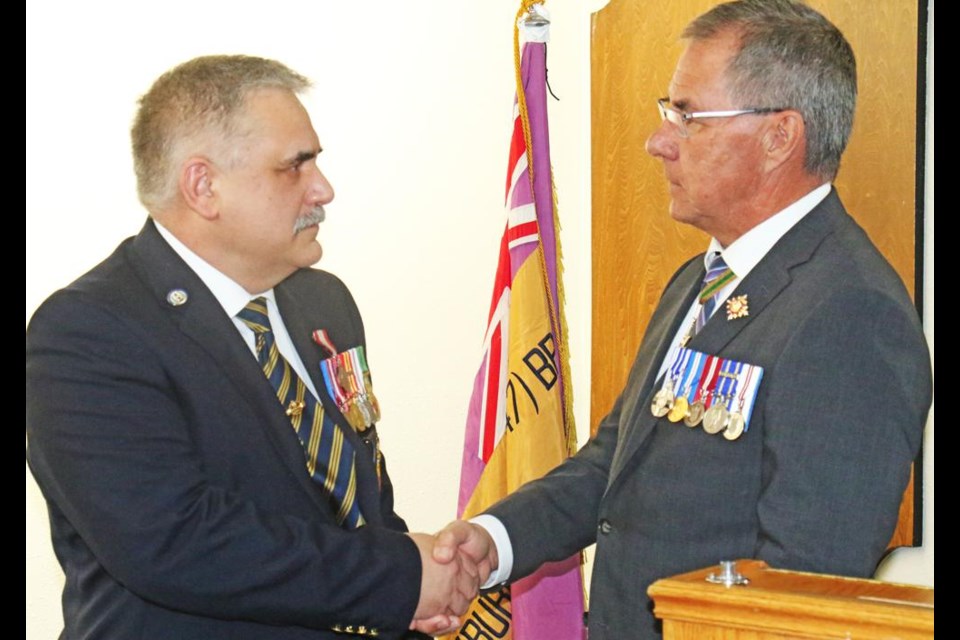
[412, 105]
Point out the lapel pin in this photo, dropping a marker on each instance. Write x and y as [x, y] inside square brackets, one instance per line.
[177, 297]
[737, 307]
[295, 408]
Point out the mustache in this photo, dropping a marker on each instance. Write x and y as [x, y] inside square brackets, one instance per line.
[316, 216]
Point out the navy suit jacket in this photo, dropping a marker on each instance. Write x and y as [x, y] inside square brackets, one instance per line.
[179, 502]
[815, 484]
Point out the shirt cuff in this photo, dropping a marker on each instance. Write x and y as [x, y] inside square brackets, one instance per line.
[501, 539]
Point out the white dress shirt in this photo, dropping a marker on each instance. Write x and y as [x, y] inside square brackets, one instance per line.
[233, 298]
[741, 256]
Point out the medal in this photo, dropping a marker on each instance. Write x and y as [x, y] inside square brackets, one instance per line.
[694, 414]
[662, 401]
[691, 374]
[347, 379]
[735, 426]
[715, 418]
[679, 409]
[698, 407]
[664, 398]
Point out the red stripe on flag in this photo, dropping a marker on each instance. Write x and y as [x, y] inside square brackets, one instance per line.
[501, 281]
[489, 425]
[523, 229]
[518, 147]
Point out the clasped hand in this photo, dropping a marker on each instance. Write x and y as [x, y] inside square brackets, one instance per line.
[456, 561]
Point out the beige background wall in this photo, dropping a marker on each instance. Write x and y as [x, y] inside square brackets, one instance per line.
[412, 105]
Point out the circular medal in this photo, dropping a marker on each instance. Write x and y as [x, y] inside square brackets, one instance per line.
[735, 426]
[694, 414]
[679, 409]
[714, 420]
[662, 402]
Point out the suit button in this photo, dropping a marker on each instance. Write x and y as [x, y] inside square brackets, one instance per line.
[605, 527]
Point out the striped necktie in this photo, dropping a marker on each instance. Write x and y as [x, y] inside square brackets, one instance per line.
[718, 276]
[330, 456]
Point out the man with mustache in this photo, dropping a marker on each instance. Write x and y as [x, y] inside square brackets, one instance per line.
[199, 410]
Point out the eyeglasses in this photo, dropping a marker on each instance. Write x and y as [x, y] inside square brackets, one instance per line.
[679, 119]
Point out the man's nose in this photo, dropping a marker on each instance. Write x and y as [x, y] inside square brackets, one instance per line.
[321, 192]
[662, 143]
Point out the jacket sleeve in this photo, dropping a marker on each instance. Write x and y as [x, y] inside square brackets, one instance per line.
[845, 409]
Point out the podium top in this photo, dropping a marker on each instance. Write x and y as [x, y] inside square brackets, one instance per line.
[808, 604]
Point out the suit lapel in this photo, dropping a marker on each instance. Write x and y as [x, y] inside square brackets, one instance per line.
[202, 320]
[303, 313]
[764, 283]
[636, 421]
[770, 277]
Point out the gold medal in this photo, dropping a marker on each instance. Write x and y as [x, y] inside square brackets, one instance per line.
[715, 419]
[679, 409]
[694, 414]
[735, 426]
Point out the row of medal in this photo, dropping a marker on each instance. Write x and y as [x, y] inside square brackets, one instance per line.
[718, 393]
[346, 376]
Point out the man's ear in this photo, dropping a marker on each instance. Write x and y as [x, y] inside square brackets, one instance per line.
[785, 139]
[197, 189]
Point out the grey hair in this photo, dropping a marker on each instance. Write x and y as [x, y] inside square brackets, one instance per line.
[199, 100]
[790, 57]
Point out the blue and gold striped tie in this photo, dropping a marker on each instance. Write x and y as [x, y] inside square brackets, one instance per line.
[330, 456]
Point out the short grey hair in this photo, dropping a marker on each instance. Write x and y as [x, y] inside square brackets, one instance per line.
[199, 100]
[790, 57]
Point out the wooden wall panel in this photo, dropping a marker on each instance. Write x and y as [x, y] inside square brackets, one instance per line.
[636, 245]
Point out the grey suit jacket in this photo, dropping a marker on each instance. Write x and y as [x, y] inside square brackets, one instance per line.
[179, 501]
[815, 483]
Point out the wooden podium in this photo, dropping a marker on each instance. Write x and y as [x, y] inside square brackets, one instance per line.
[789, 604]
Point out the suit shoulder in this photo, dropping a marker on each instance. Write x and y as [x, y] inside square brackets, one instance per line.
[319, 287]
[111, 285]
[847, 260]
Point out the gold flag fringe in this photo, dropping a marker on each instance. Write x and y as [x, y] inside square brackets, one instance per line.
[557, 317]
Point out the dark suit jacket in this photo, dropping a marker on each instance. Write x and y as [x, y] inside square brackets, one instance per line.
[815, 483]
[179, 501]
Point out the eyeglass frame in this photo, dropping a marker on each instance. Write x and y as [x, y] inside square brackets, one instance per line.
[682, 118]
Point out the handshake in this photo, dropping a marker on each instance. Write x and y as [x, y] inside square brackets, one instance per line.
[456, 562]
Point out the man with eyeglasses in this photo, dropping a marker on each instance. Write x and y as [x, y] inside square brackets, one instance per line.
[779, 395]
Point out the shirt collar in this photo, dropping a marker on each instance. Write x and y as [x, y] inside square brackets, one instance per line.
[231, 296]
[745, 252]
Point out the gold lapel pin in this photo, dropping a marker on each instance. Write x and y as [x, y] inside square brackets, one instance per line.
[737, 307]
[295, 408]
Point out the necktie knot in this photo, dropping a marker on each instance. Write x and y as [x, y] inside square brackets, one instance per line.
[717, 277]
[255, 316]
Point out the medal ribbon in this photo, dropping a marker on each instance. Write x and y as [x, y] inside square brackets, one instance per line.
[711, 381]
[734, 382]
[692, 372]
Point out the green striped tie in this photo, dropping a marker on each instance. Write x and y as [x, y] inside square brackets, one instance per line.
[717, 277]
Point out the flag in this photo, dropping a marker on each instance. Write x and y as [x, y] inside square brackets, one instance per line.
[519, 423]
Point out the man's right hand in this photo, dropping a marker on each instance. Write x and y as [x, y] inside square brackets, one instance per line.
[447, 587]
[467, 539]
